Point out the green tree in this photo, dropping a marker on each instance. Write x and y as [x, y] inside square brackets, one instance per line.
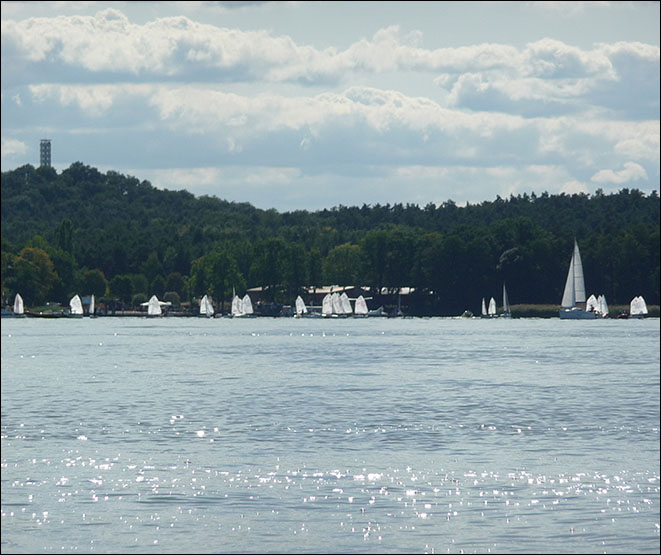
[35, 275]
[94, 283]
[121, 287]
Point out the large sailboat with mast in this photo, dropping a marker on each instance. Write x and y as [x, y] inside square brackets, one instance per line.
[574, 293]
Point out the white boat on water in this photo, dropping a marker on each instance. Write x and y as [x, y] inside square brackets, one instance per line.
[92, 307]
[301, 309]
[18, 305]
[327, 306]
[76, 307]
[506, 304]
[637, 307]
[602, 306]
[154, 306]
[574, 293]
[360, 308]
[206, 307]
[241, 307]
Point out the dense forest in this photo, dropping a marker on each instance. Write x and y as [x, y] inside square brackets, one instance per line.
[83, 231]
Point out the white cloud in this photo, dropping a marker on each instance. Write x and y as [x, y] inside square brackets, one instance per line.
[12, 148]
[631, 172]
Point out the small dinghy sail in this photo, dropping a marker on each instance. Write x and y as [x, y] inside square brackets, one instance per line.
[361, 307]
[237, 306]
[301, 309]
[206, 307]
[345, 304]
[76, 306]
[506, 304]
[602, 306]
[327, 305]
[492, 307]
[154, 307]
[18, 305]
[483, 311]
[574, 292]
[637, 307]
[247, 305]
[92, 307]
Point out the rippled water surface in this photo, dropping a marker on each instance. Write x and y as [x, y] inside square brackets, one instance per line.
[186, 435]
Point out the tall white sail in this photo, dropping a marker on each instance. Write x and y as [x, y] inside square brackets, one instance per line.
[154, 307]
[345, 304]
[18, 304]
[247, 304]
[206, 307]
[76, 305]
[603, 306]
[506, 301]
[575, 284]
[492, 307]
[484, 308]
[327, 305]
[336, 303]
[361, 306]
[300, 306]
[592, 304]
[237, 306]
[92, 305]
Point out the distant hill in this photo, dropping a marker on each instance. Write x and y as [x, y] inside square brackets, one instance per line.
[452, 255]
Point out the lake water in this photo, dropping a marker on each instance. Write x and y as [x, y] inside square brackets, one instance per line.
[187, 435]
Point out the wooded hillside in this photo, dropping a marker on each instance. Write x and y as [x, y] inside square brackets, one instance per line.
[83, 231]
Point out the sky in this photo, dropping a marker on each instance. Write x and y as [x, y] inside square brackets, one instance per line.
[313, 105]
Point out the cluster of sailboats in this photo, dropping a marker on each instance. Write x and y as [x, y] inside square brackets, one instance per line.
[492, 311]
[76, 309]
[336, 305]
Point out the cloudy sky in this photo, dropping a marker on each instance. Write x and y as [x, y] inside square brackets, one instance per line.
[310, 105]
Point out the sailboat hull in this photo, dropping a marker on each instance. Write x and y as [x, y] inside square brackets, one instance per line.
[576, 314]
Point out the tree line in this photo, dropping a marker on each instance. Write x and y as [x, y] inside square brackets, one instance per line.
[84, 231]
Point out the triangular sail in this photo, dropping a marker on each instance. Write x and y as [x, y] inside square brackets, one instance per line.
[638, 306]
[345, 304]
[300, 306]
[237, 306]
[206, 306]
[603, 306]
[592, 304]
[92, 305]
[327, 305]
[336, 303]
[569, 295]
[361, 306]
[18, 304]
[579, 282]
[154, 306]
[506, 302]
[247, 304]
[484, 307]
[492, 307]
[76, 305]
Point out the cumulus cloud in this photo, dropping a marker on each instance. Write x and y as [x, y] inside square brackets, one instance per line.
[12, 148]
[630, 172]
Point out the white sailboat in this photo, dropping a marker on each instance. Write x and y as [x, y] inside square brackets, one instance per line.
[327, 306]
[361, 307]
[92, 307]
[76, 306]
[247, 305]
[345, 304]
[483, 310]
[206, 307]
[506, 304]
[237, 306]
[301, 309]
[154, 307]
[574, 292]
[637, 308]
[492, 307]
[18, 305]
[602, 306]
